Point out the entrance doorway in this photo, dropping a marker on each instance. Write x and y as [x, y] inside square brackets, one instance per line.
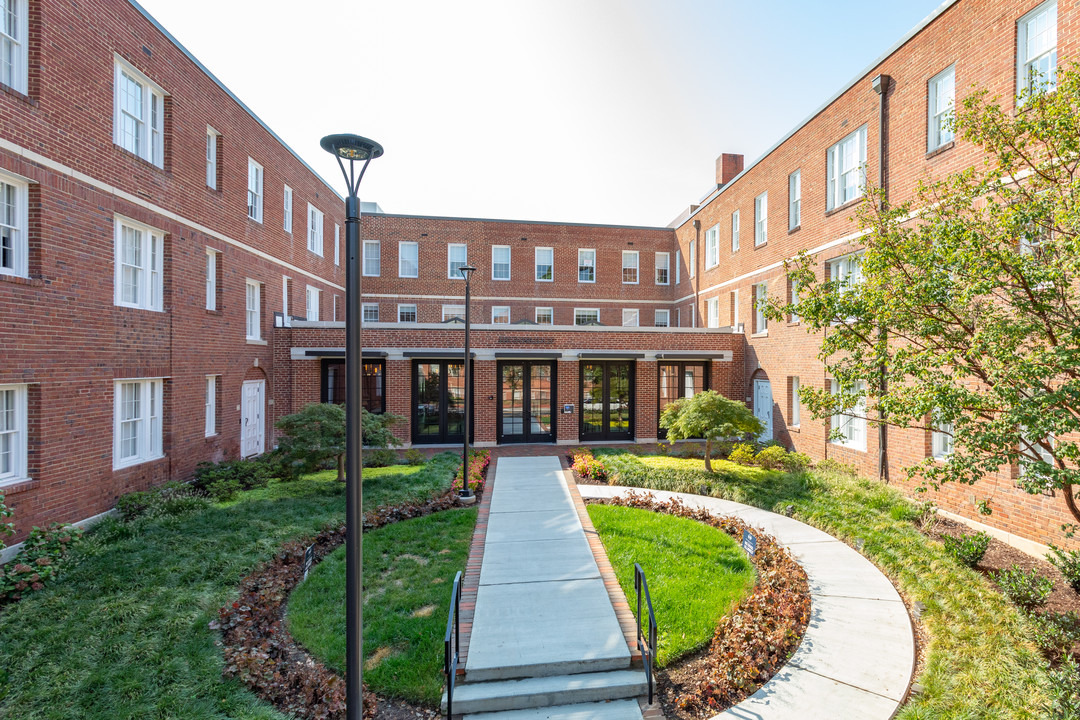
[526, 401]
[252, 427]
[607, 404]
[438, 402]
[763, 402]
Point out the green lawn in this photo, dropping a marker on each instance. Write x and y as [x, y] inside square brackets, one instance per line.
[409, 570]
[123, 633]
[696, 573]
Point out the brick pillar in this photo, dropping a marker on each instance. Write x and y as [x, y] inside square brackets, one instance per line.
[566, 427]
[398, 390]
[485, 397]
[645, 401]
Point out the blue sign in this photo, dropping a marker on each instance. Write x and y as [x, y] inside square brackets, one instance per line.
[749, 543]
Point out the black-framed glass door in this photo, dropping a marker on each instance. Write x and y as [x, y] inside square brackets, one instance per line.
[679, 380]
[607, 400]
[438, 401]
[526, 411]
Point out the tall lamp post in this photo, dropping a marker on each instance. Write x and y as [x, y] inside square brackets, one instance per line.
[466, 272]
[353, 148]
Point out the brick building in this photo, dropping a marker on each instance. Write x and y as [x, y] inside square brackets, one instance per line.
[174, 282]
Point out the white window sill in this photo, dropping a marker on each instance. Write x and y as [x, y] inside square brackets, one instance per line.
[138, 307]
[132, 462]
[5, 482]
[256, 341]
[837, 443]
[762, 334]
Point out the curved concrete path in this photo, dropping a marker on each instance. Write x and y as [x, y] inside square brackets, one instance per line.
[858, 654]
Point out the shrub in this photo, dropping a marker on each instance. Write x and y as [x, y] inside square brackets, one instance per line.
[414, 457]
[1025, 589]
[967, 549]
[796, 462]
[6, 528]
[693, 450]
[1055, 633]
[1065, 679]
[831, 465]
[1068, 562]
[585, 465]
[38, 560]
[221, 481]
[743, 454]
[380, 458]
[478, 465]
[925, 516]
[172, 498]
[772, 457]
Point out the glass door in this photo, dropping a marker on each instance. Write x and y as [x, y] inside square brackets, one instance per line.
[438, 402]
[607, 400]
[679, 380]
[525, 402]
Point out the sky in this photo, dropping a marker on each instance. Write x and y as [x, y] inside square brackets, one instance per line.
[591, 111]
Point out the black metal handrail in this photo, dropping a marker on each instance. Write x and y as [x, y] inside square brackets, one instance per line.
[450, 659]
[646, 646]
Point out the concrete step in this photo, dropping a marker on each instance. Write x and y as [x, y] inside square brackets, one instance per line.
[540, 692]
[615, 710]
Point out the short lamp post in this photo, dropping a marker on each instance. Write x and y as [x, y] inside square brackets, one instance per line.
[354, 149]
[466, 272]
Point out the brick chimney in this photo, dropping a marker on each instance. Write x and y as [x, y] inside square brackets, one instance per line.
[728, 166]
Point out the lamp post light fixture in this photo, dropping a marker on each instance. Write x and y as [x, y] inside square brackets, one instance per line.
[354, 149]
[466, 272]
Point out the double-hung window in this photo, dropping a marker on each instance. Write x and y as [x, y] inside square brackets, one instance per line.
[761, 219]
[691, 259]
[139, 121]
[337, 244]
[586, 316]
[500, 262]
[211, 159]
[372, 258]
[210, 423]
[942, 91]
[457, 256]
[287, 210]
[544, 316]
[14, 247]
[211, 279]
[630, 317]
[253, 309]
[735, 231]
[941, 440]
[14, 53]
[136, 421]
[370, 312]
[761, 295]
[255, 191]
[850, 423]
[793, 294]
[406, 313]
[794, 184]
[453, 312]
[661, 318]
[712, 312]
[845, 172]
[846, 271]
[13, 437]
[630, 267]
[796, 402]
[138, 275]
[678, 267]
[500, 314]
[663, 268]
[712, 247]
[586, 266]
[408, 265]
[312, 312]
[315, 228]
[545, 264]
[1036, 49]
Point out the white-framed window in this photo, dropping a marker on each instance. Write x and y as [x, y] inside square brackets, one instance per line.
[1032, 444]
[453, 312]
[337, 244]
[315, 228]
[630, 267]
[796, 402]
[941, 440]
[286, 289]
[337, 303]
[544, 261]
[761, 294]
[661, 318]
[942, 95]
[852, 423]
[457, 255]
[761, 219]
[500, 262]
[286, 210]
[408, 264]
[586, 316]
[678, 266]
[370, 312]
[211, 406]
[500, 314]
[712, 312]
[545, 316]
[211, 158]
[793, 287]
[663, 268]
[138, 280]
[845, 177]
[691, 259]
[312, 311]
[13, 434]
[253, 309]
[735, 231]
[794, 184]
[406, 313]
[14, 45]
[211, 279]
[372, 258]
[14, 227]
[1036, 49]
[139, 120]
[846, 270]
[586, 265]
[136, 421]
[712, 247]
[631, 317]
[734, 308]
[255, 191]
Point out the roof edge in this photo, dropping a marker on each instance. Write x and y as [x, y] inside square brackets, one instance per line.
[517, 222]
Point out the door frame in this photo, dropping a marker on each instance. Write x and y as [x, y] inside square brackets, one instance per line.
[414, 428]
[661, 433]
[261, 384]
[605, 435]
[526, 400]
[758, 382]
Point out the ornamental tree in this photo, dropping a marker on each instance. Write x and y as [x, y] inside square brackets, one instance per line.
[316, 435]
[965, 318]
[708, 415]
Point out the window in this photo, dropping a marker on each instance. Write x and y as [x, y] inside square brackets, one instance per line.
[255, 190]
[734, 308]
[794, 184]
[844, 177]
[453, 312]
[372, 385]
[796, 404]
[211, 279]
[370, 312]
[678, 267]
[456, 256]
[14, 46]
[846, 270]
[211, 160]
[13, 433]
[1028, 468]
[211, 406]
[630, 267]
[138, 266]
[500, 314]
[337, 301]
[500, 262]
[761, 219]
[942, 88]
[586, 316]
[691, 259]
[1036, 48]
[315, 226]
[406, 313]
[139, 122]
[287, 210]
[712, 247]
[136, 421]
[14, 247]
[712, 310]
[312, 304]
[793, 288]
[941, 440]
[337, 244]
[761, 295]
[544, 316]
[851, 423]
[663, 267]
[372, 260]
[735, 231]
[630, 317]
[253, 308]
[408, 265]
[586, 266]
[661, 318]
[544, 261]
[286, 288]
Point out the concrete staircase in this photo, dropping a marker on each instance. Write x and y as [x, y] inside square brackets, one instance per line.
[553, 696]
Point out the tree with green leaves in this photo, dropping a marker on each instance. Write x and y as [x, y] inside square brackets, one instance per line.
[316, 435]
[965, 318]
[711, 416]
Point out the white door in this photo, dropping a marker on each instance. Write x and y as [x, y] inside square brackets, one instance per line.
[763, 402]
[252, 427]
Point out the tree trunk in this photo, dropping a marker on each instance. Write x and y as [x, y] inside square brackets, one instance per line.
[341, 467]
[708, 455]
[1070, 501]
